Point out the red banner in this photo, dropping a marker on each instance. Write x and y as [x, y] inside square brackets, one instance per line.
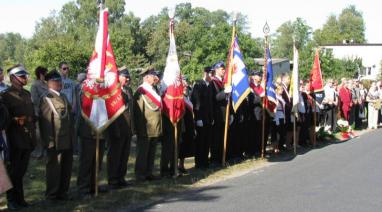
[316, 83]
[102, 101]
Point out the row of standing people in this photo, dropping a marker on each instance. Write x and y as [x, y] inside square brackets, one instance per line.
[56, 107]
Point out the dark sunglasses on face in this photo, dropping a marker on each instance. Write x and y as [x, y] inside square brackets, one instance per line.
[65, 68]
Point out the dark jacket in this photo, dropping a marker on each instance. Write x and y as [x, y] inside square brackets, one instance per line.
[202, 100]
[21, 130]
[124, 125]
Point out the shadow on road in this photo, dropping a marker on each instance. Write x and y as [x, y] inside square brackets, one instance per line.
[198, 195]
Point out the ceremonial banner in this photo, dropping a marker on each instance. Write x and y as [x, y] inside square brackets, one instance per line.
[316, 83]
[238, 74]
[295, 85]
[102, 101]
[172, 86]
[270, 101]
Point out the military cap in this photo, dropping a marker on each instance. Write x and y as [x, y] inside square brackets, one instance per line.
[18, 71]
[53, 75]
[123, 71]
[219, 64]
[148, 71]
[256, 73]
[208, 69]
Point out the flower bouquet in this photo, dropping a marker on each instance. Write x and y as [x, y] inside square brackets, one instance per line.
[345, 129]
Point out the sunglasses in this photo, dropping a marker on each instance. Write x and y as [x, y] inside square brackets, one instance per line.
[65, 68]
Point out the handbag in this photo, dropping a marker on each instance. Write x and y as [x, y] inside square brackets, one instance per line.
[5, 182]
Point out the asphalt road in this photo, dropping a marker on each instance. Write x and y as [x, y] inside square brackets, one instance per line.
[338, 177]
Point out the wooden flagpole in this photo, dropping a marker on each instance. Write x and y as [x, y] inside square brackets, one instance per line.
[101, 4]
[175, 149]
[294, 135]
[96, 165]
[228, 96]
[314, 122]
[266, 31]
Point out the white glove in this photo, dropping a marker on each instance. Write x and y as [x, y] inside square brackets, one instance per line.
[230, 119]
[228, 89]
[199, 123]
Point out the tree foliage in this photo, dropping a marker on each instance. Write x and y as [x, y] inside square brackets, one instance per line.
[202, 37]
[348, 26]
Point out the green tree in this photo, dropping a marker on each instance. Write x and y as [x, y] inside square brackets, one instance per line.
[297, 30]
[348, 26]
[12, 49]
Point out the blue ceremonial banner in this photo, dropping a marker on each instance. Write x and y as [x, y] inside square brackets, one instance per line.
[270, 87]
[240, 84]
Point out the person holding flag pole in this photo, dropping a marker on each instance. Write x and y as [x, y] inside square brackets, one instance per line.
[316, 88]
[269, 101]
[102, 101]
[173, 102]
[295, 95]
[236, 83]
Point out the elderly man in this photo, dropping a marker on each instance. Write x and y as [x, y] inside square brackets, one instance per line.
[21, 133]
[56, 122]
[148, 122]
[330, 102]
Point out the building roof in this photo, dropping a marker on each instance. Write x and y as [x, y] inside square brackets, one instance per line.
[352, 44]
[260, 61]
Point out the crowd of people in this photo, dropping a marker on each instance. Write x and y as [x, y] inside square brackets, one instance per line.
[49, 116]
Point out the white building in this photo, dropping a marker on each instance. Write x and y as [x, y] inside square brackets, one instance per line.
[279, 65]
[371, 55]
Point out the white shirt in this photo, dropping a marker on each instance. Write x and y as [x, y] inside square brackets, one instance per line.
[301, 104]
[329, 93]
[280, 110]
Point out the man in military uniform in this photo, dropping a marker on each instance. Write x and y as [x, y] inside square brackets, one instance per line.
[120, 133]
[148, 123]
[56, 135]
[21, 133]
[202, 98]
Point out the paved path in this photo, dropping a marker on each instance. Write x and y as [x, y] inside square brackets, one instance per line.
[338, 177]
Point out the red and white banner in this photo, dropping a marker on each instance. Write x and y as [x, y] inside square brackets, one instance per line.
[172, 86]
[102, 101]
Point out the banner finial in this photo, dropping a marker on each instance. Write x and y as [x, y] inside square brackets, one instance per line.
[171, 12]
[266, 29]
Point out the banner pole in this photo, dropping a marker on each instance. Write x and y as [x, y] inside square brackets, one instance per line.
[96, 165]
[294, 136]
[226, 132]
[314, 123]
[175, 149]
[265, 94]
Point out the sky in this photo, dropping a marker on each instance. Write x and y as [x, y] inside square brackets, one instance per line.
[21, 15]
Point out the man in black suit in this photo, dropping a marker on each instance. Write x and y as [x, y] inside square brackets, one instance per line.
[285, 82]
[219, 108]
[202, 100]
